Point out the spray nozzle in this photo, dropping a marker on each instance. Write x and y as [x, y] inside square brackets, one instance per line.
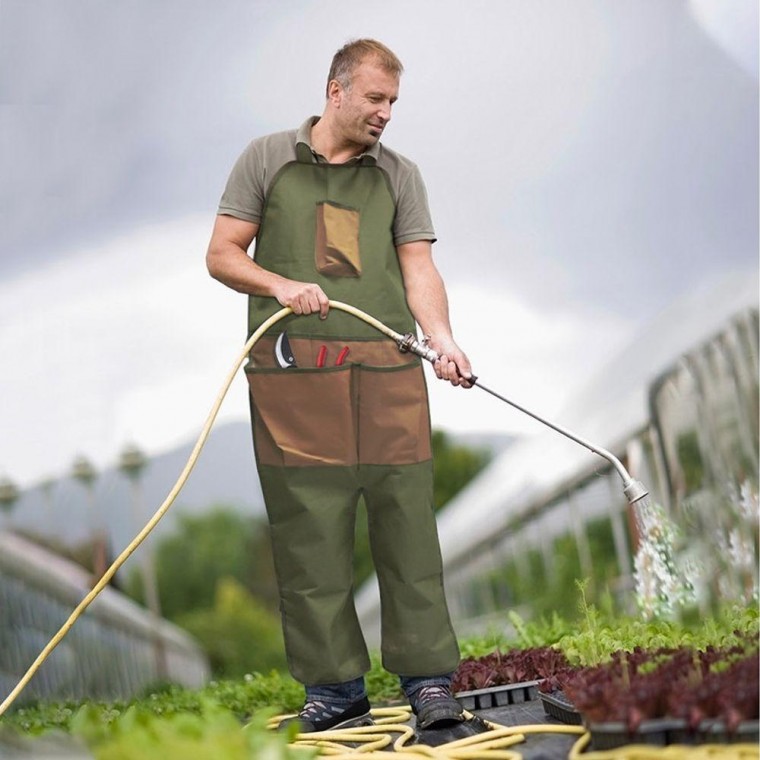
[634, 490]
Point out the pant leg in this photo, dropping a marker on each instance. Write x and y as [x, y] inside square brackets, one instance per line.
[312, 515]
[341, 694]
[412, 684]
[417, 635]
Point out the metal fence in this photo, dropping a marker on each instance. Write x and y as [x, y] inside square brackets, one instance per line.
[116, 650]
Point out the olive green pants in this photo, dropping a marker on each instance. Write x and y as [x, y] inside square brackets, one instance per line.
[312, 514]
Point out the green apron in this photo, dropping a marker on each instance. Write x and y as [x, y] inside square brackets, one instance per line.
[350, 419]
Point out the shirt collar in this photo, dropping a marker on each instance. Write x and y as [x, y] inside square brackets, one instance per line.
[303, 135]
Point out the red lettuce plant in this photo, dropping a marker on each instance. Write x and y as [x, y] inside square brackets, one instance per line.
[730, 694]
[503, 668]
[680, 683]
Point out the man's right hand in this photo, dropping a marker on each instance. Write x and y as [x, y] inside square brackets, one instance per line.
[228, 261]
[302, 297]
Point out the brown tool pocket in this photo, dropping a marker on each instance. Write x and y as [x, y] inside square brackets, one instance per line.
[372, 353]
[303, 417]
[337, 241]
[394, 422]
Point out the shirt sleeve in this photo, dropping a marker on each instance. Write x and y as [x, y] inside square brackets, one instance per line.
[413, 221]
[243, 196]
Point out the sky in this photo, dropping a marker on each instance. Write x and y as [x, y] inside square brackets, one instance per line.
[587, 164]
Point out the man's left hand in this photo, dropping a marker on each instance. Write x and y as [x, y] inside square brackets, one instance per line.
[452, 364]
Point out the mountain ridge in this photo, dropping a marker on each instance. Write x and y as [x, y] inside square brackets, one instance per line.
[225, 474]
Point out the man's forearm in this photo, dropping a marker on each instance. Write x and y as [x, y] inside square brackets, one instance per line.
[424, 288]
[228, 261]
[233, 267]
[429, 305]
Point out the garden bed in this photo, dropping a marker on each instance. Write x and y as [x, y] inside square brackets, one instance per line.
[658, 696]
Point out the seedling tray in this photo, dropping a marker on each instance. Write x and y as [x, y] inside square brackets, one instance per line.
[664, 731]
[715, 732]
[558, 706]
[658, 732]
[498, 696]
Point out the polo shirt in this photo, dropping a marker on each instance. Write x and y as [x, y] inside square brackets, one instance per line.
[245, 193]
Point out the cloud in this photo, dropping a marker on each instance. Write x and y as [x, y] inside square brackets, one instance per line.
[122, 341]
[113, 115]
[615, 138]
[733, 24]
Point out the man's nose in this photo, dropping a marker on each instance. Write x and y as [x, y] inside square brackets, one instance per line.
[385, 112]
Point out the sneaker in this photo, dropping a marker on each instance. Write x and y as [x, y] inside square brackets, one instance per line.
[323, 716]
[435, 707]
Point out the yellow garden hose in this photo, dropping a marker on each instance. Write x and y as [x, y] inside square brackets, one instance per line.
[374, 743]
[162, 510]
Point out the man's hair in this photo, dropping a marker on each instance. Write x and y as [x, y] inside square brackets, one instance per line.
[353, 53]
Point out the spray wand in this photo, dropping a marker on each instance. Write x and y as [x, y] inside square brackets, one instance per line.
[633, 489]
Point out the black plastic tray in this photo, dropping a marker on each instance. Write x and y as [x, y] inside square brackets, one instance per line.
[658, 732]
[664, 731]
[558, 706]
[714, 732]
[498, 696]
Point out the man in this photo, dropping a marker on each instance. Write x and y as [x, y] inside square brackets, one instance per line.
[337, 412]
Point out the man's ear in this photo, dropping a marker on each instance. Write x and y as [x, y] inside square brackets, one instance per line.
[335, 93]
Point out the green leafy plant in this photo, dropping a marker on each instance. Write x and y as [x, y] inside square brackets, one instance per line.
[239, 634]
[242, 697]
[213, 732]
[601, 637]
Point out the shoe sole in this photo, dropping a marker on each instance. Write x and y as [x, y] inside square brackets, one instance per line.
[357, 722]
[361, 720]
[442, 716]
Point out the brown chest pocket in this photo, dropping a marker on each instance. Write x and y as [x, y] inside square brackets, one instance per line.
[337, 241]
[303, 417]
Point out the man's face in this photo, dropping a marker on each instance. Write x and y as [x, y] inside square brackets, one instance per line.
[365, 108]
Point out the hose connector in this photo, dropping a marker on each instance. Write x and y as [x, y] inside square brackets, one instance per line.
[409, 344]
